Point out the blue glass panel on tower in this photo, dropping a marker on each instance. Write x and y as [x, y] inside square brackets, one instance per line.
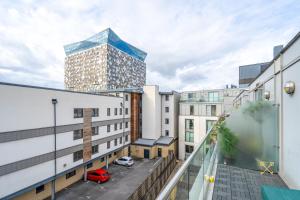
[105, 37]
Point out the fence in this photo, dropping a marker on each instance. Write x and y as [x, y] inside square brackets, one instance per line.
[151, 187]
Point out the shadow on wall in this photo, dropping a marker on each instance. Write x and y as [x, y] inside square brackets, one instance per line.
[250, 135]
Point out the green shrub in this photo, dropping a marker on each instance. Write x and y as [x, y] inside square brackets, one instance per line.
[228, 141]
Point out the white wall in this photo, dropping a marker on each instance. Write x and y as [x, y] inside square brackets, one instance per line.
[13, 182]
[199, 132]
[290, 116]
[30, 108]
[151, 112]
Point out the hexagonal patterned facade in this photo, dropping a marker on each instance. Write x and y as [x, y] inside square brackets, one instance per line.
[104, 62]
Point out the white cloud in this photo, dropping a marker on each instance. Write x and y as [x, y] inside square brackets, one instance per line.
[190, 44]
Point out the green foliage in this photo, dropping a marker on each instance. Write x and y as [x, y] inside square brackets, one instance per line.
[257, 110]
[228, 141]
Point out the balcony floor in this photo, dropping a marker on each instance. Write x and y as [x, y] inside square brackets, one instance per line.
[233, 183]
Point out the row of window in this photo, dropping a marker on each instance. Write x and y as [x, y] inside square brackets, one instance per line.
[189, 129]
[116, 126]
[78, 155]
[78, 134]
[211, 110]
[116, 141]
[78, 112]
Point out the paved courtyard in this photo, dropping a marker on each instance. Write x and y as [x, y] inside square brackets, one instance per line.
[123, 183]
[233, 183]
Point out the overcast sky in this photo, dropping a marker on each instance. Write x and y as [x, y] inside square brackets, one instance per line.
[190, 44]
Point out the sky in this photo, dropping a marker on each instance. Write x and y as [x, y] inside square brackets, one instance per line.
[191, 44]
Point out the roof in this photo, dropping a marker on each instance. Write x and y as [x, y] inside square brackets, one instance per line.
[169, 92]
[164, 140]
[290, 43]
[54, 89]
[145, 142]
[105, 37]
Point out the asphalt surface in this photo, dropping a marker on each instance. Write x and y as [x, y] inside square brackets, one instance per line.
[124, 181]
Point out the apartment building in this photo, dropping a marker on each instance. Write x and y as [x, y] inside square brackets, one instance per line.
[278, 84]
[198, 111]
[159, 126]
[104, 62]
[50, 138]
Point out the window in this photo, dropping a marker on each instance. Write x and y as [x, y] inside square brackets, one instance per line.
[116, 126]
[191, 109]
[78, 155]
[166, 109]
[108, 111]
[115, 153]
[189, 130]
[116, 111]
[126, 97]
[95, 149]
[126, 124]
[167, 97]
[95, 112]
[126, 138]
[121, 125]
[166, 120]
[39, 189]
[77, 134]
[189, 136]
[209, 124]
[78, 112]
[109, 155]
[70, 174]
[167, 132]
[121, 111]
[90, 165]
[116, 142]
[126, 111]
[121, 140]
[213, 96]
[102, 159]
[189, 148]
[189, 124]
[191, 95]
[211, 110]
[108, 128]
[95, 130]
[108, 145]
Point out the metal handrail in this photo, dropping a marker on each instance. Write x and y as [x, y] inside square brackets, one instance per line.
[173, 182]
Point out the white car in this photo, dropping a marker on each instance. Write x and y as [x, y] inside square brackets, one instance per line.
[125, 160]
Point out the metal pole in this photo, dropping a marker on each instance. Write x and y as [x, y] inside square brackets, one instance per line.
[123, 121]
[54, 102]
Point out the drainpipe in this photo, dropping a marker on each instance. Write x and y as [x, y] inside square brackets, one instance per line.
[123, 121]
[54, 102]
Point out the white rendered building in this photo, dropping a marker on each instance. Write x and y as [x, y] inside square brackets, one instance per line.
[49, 138]
[199, 110]
[159, 123]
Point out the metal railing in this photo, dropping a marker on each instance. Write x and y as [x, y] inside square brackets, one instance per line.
[192, 179]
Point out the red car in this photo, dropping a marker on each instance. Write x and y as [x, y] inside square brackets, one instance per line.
[98, 175]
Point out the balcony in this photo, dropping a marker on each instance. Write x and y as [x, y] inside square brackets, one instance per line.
[228, 162]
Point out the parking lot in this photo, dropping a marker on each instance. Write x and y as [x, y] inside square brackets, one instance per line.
[124, 181]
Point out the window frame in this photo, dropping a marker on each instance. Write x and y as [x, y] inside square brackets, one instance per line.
[80, 132]
[95, 130]
[95, 149]
[77, 114]
[40, 189]
[77, 155]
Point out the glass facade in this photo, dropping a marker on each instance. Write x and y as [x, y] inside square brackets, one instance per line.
[105, 37]
[189, 130]
[213, 96]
